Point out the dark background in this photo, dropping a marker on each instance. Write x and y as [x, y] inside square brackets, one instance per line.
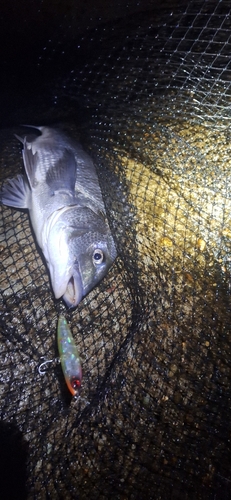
[41, 41]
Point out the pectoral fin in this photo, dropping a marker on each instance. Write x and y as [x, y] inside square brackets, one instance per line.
[61, 176]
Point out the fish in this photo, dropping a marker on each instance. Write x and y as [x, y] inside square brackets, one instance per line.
[69, 357]
[60, 189]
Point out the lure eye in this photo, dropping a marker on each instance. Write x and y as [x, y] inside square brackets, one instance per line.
[75, 383]
[98, 256]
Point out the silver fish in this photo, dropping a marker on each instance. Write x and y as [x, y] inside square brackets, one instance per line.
[63, 196]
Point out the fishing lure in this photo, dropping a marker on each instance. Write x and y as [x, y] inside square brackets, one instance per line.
[69, 357]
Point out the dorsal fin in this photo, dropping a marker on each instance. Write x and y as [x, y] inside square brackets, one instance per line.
[30, 162]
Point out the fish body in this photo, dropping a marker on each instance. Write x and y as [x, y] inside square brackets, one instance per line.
[63, 196]
[69, 357]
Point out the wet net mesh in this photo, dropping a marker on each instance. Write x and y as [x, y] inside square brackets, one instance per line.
[150, 100]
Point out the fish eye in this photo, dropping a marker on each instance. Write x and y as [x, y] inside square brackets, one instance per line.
[98, 256]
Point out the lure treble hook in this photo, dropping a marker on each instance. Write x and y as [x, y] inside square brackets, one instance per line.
[41, 372]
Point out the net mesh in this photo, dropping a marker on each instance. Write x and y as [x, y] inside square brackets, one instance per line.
[149, 97]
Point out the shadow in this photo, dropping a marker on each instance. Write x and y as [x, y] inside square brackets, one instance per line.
[13, 457]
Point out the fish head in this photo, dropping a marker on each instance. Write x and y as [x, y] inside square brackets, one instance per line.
[78, 256]
[91, 254]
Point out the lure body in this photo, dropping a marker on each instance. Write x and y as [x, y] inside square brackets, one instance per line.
[69, 357]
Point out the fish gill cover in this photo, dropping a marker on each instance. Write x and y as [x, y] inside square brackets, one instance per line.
[150, 101]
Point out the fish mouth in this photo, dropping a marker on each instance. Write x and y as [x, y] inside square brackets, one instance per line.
[74, 291]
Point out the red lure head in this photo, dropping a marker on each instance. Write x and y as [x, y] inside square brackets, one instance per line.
[75, 383]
